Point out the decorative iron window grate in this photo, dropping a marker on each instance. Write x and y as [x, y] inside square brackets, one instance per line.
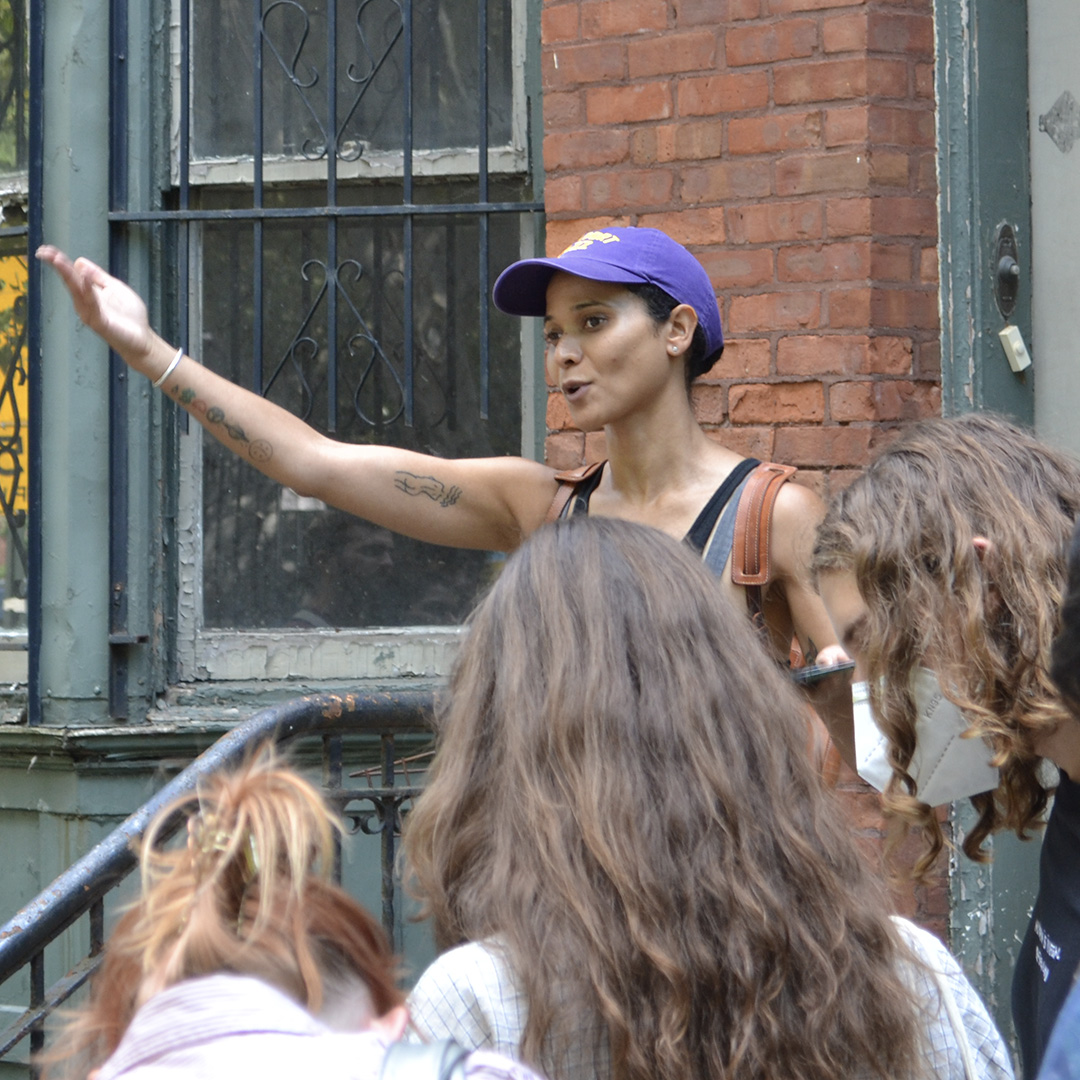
[344, 177]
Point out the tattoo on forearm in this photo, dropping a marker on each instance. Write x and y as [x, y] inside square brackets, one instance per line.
[811, 651]
[434, 489]
[259, 450]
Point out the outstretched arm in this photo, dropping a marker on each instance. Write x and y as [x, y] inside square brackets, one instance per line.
[487, 503]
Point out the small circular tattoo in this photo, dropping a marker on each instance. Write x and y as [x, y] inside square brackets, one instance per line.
[260, 451]
[199, 406]
[215, 415]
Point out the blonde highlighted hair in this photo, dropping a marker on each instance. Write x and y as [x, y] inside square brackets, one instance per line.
[983, 617]
[249, 893]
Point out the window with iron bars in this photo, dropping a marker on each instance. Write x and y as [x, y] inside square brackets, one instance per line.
[346, 179]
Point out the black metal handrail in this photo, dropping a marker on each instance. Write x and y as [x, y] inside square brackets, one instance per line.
[81, 889]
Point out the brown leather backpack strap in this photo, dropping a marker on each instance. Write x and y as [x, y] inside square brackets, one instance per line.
[568, 481]
[751, 563]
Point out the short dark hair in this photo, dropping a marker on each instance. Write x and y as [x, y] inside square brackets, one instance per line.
[660, 305]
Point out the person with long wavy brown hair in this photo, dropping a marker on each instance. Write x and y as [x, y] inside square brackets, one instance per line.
[241, 955]
[633, 867]
[948, 554]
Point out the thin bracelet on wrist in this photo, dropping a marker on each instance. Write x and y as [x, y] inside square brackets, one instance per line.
[169, 370]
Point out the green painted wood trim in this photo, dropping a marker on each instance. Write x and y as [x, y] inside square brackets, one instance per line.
[983, 174]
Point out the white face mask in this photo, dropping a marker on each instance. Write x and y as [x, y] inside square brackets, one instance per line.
[945, 766]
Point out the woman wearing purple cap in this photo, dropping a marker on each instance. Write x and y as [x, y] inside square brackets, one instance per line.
[630, 320]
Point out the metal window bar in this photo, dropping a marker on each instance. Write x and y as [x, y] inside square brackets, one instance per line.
[177, 209]
[81, 889]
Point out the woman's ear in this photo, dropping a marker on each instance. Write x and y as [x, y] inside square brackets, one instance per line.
[392, 1023]
[681, 324]
[983, 547]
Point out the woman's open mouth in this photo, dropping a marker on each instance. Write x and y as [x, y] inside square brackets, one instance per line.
[574, 391]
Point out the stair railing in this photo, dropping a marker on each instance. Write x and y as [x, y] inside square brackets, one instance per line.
[81, 890]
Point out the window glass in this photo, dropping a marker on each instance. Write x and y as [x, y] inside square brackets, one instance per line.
[271, 558]
[14, 88]
[372, 69]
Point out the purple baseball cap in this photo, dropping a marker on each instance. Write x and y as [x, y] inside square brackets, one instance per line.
[624, 256]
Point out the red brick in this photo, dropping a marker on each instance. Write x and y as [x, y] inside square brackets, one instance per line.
[819, 80]
[802, 174]
[704, 13]
[737, 9]
[611, 18]
[903, 35]
[847, 126]
[743, 358]
[563, 109]
[906, 309]
[773, 222]
[774, 133]
[697, 140]
[824, 354]
[901, 127]
[844, 33]
[651, 144]
[849, 309]
[776, 403]
[928, 265]
[887, 78]
[565, 450]
[558, 415]
[559, 23]
[585, 149]
[824, 262]
[628, 104]
[734, 267]
[887, 400]
[715, 95]
[890, 355]
[693, 226]
[823, 446]
[576, 65]
[926, 174]
[924, 81]
[631, 188]
[783, 7]
[709, 402]
[902, 216]
[847, 217]
[890, 262]
[929, 360]
[726, 180]
[889, 168]
[770, 42]
[562, 193]
[775, 311]
[561, 234]
[670, 53]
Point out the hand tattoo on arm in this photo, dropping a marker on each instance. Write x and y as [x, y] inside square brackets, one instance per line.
[434, 489]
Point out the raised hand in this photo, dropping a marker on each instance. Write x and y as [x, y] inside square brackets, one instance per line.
[110, 308]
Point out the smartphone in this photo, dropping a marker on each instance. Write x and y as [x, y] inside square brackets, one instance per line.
[809, 675]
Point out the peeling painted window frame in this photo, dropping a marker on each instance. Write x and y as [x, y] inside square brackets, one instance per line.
[316, 654]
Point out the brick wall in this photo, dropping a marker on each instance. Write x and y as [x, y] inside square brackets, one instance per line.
[791, 145]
